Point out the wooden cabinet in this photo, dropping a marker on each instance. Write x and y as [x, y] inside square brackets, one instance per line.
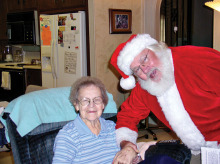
[3, 43]
[73, 3]
[3, 19]
[3, 30]
[50, 5]
[60, 4]
[21, 5]
[33, 77]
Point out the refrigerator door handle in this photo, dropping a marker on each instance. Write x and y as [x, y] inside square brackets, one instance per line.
[56, 66]
[55, 47]
[52, 60]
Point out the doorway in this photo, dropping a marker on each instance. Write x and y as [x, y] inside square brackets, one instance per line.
[175, 20]
[186, 22]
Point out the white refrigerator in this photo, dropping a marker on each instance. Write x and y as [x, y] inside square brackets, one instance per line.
[63, 48]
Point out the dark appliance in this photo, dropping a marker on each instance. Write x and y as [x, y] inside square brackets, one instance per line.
[17, 85]
[22, 28]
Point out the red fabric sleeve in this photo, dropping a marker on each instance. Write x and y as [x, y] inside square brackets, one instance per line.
[133, 110]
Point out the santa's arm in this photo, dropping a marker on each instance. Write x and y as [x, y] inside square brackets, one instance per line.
[132, 111]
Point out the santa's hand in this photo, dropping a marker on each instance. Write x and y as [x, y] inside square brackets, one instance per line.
[125, 156]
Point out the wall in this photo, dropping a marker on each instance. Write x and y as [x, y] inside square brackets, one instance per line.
[216, 31]
[151, 11]
[103, 44]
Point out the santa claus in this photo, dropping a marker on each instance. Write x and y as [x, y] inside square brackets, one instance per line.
[180, 85]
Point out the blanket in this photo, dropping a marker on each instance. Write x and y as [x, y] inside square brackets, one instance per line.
[45, 106]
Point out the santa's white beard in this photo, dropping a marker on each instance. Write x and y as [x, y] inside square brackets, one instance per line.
[167, 79]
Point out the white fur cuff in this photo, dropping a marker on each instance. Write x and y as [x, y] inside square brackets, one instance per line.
[126, 134]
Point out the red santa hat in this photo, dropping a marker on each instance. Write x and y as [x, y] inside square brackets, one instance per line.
[125, 54]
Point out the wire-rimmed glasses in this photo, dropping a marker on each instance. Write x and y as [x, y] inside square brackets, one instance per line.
[86, 101]
[143, 59]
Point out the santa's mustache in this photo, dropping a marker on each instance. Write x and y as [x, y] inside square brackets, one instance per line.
[151, 73]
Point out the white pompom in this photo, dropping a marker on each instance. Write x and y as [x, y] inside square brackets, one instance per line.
[128, 83]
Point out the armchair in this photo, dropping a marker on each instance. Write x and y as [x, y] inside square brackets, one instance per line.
[34, 119]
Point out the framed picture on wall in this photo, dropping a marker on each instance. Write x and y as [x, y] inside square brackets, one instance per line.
[120, 21]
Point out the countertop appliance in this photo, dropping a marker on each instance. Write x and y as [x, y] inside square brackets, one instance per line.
[22, 28]
[8, 52]
[63, 48]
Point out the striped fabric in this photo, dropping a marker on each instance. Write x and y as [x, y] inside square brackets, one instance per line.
[75, 143]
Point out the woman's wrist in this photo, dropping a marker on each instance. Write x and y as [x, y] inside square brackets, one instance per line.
[124, 144]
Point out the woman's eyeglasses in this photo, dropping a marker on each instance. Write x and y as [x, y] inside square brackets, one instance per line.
[86, 101]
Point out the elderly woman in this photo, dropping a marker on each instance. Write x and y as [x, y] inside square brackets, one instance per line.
[89, 138]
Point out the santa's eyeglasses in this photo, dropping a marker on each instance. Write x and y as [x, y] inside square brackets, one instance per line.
[143, 59]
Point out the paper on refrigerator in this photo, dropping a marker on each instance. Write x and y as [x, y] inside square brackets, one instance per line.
[70, 62]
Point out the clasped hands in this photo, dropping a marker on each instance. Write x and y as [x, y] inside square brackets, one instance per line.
[127, 153]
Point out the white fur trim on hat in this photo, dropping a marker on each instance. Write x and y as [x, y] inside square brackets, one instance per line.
[131, 50]
[128, 83]
[126, 134]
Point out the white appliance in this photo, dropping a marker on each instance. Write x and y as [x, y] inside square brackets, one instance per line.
[63, 48]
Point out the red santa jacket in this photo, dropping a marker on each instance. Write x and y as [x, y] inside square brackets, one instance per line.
[197, 77]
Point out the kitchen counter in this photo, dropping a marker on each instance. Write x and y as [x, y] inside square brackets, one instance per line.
[19, 66]
[32, 66]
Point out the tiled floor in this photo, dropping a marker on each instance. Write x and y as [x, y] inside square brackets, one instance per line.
[160, 133]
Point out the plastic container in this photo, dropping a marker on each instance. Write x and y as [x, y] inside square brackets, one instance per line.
[8, 51]
[18, 57]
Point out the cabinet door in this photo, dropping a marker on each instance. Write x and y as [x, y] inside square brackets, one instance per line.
[33, 77]
[50, 5]
[73, 3]
[60, 4]
[3, 31]
[3, 43]
[21, 5]
[17, 85]
[14, 5]
[3, 18]
[3, 9]
[29, 4]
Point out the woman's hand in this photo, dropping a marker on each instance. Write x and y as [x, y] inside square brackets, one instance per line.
[127, 153]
